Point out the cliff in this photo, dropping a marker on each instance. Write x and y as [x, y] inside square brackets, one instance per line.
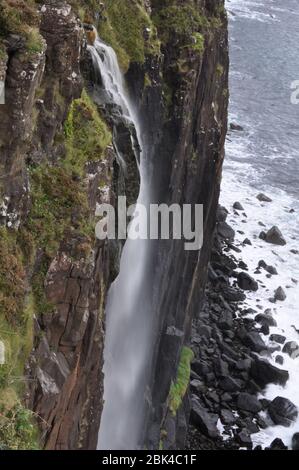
[58, 160]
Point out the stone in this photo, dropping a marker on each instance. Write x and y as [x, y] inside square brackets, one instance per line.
[279, 359]
[265, 373]
[270, 269]
[247, 242]
[263, 198]
[248, 402]
[295, 441]
[280, 339]
[265, 319]
[292, 349]
[236, 127]
[278, 444]
[280, 294]
[228, 384]
[226, 231]
[244, 439]
[238, 206]
[246, 282]
[254, 341]
[206, 422]
[225, 321]
[275, 237]
[222, 214]
[227, 417]
[233, 295]
[282, 411]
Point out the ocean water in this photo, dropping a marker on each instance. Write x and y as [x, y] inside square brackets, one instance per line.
[264, 38]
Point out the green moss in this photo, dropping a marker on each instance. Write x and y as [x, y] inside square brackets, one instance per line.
[199, 43]
[17, 428]
[87, 135]
[34, 42]
[125, 29]
[179, 388]
[18, 17]
[219, 70]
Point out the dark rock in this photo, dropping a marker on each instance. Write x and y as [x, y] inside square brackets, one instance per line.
[228, 384]
[262, 235]
[227, 417]
[275, 236]
[238, 206]
[279, 360]
[280, 339]
[292, 349]
[236, 127]
[246, 282]
[265, 319]
[222, 214]
[244, 439]
[233, 295]
[295, 441]
[282, 411]
[249, 402]
[243, 364]
[278, 444]
[247, 242]
[263, 198]
[280, 294]
[269, 269]
[206, 422]
[254, 341]
[226, 231]
[265, 373]
[225, 321]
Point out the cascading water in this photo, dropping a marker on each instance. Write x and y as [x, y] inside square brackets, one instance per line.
[128, 320]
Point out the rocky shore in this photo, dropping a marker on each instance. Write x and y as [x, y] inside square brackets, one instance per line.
[232, 366]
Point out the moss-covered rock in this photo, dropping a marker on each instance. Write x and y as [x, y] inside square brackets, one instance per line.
[179, 387]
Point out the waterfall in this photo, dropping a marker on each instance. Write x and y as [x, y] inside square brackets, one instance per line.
[128, 320]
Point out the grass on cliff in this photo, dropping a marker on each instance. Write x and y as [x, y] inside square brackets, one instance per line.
[129, 30]
[179, 388]
[21, 17]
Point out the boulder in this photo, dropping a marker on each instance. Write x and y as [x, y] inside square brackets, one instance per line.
[270, 269]
[265, 319]
[265, 373]
[244, 439]
[233, 295]
[249, 402]
[228, 384]
[280, 294]
[222, 214]
[225, 321]
[238, 206]
[247, 242]
[206, 422]
[227, 417]
[292, 349]
[279, 360]
[282, 411]
[246, 282]
[295, 441]
[236, 127]
[275, 236]
[280, 339]
[263, 198]
[278, 444]
[226, 231]
[254, 341]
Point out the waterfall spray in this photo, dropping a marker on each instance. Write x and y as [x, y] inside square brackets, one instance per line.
[128, 320]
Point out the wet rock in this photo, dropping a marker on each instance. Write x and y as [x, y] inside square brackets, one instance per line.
[295, 441]
[228, 384]
[265, 373]
[279, 359]
[278, 444]
[292, 349]
[249, 402]
[254, 341]
[280, 339]
[263, 198]
[233, 295]
[270, 269]
[225, 321]
[275, 237]
[226, 231]
[265, 319]
[262, 235]
[236, 127]
[222, 214]
[246, 282]
[247, 242]
[282, 411]
[238, 206]
[206, 422]
[227, 417]
[244, 439]
[280, 294]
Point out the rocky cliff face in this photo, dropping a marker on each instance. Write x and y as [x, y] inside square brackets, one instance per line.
[53, 171]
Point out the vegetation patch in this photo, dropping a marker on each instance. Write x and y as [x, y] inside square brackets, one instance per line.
[17, 428]
[179, 388]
